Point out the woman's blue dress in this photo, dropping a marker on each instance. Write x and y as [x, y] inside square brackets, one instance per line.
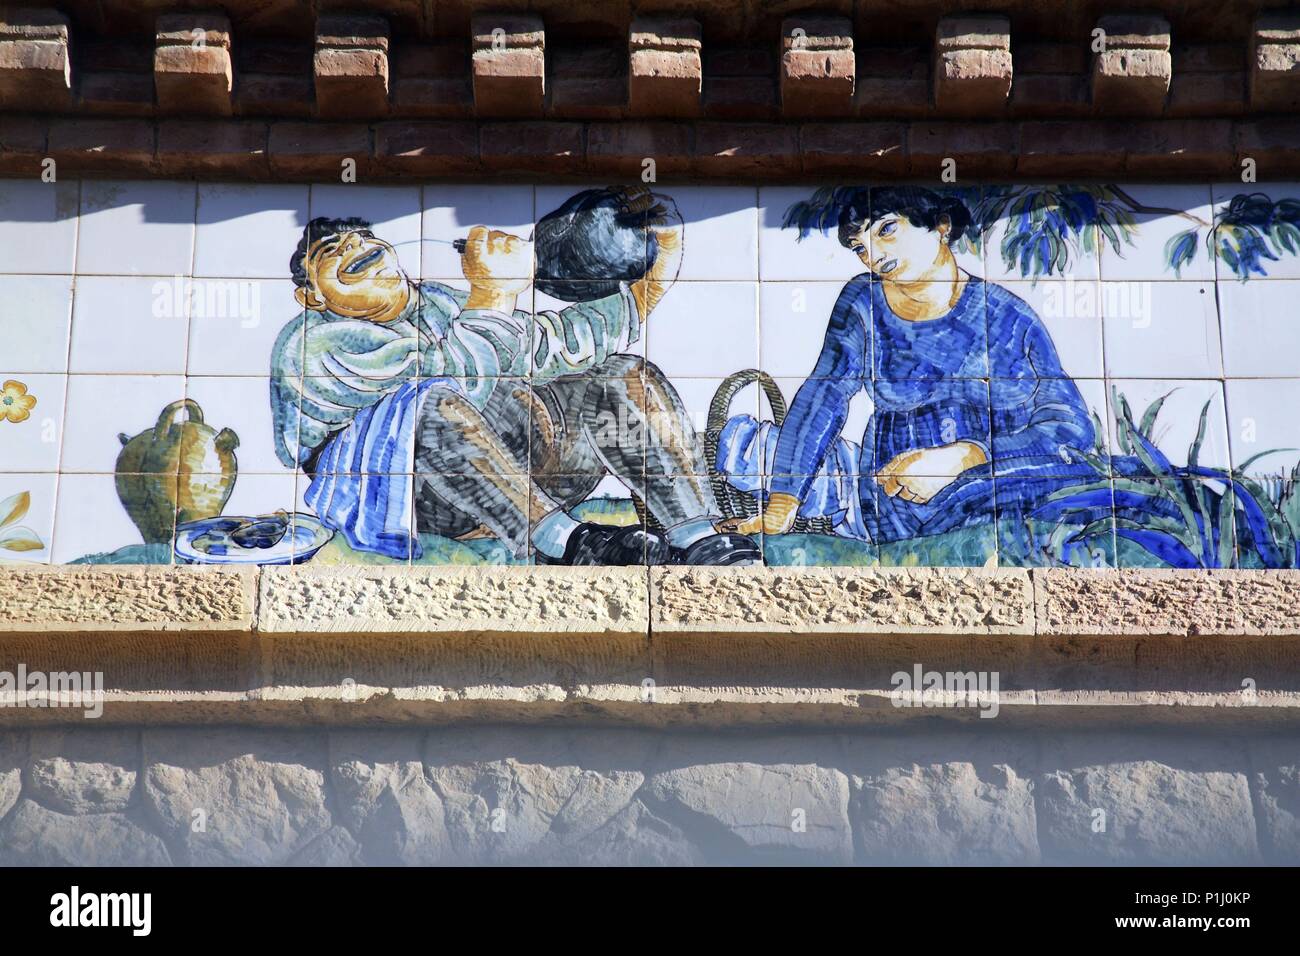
[986, 373]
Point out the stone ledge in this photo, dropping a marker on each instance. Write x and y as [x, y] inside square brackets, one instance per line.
[37, 599]
[842, 600]
[442, 600]
[713, 647]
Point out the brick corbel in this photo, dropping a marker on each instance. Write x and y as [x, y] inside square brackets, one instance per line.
[1131, 74]
[664, 69]
[35, 69]
[1275, 62]
[351, 66]
[817, 67]
[509, 65]
[191, 63]
[972, 65]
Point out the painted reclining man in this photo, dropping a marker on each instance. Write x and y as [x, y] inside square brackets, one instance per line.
[416, 403]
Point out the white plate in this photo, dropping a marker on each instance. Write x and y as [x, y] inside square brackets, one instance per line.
[306, 537]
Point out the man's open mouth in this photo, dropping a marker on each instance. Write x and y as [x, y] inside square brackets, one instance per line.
[363, 263]
[886, 267]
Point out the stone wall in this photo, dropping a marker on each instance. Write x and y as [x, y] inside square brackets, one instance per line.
[510, 794]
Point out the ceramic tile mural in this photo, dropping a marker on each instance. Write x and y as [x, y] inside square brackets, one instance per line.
[1013, 375]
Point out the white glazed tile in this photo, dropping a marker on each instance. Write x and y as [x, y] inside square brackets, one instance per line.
[1083, 262]
[90, 519]
[451, 211]
[38, 226]
[235, 323]
[35, 315]
[136, 228]
[1262, 417]
[1287, 264]
[1261, 328]
[242, 404]
[248, 231]
[35, 526]
[1179, 417]
[782, 255]
[1165, 211]
[102, 407]
[393, 212]
[721, 231]
[1161, 329]
[705, 329]
[32, 444]
[793, 317]
[1070, 309]
[129, 324]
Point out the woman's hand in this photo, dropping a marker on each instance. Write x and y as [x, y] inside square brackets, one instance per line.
[919, 475]
[776, 518]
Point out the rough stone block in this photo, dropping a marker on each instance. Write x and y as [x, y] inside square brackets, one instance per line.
[972, 65]
[664, 70]
[817, 67]
[79, 771]
[35, 836]
[1276, 775]
[936, 800]
[35, 68]
[508, 65]
[1132, 71]
[191, 63]
[1141, 800]
[351, 67]
[262, 794]
[841, 600]
[1275, 62]
[450, 599]
[765, 803]
[98, 599]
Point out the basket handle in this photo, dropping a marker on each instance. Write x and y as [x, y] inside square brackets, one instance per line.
[720, 407]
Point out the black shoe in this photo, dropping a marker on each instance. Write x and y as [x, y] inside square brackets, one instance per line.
[609, 546]
[720, 550]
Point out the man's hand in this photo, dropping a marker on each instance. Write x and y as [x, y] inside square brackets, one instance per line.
[498, 266]
[663, 273]
[777, 518]
[921, 474]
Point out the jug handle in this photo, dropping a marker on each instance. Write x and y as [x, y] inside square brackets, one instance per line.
[168, 416]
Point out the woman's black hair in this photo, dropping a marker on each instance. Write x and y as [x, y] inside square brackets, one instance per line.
[850, 209]
[322, 228]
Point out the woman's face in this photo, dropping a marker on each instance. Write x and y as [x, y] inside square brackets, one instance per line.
[894, 249]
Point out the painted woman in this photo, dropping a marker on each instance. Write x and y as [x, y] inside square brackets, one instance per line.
[966, 386]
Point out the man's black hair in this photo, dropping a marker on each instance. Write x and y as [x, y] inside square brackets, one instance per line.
[322, 228]
[852, 208]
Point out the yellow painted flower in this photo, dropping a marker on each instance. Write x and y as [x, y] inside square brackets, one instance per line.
[15, 404]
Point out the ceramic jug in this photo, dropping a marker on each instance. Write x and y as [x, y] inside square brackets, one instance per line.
[180, 470]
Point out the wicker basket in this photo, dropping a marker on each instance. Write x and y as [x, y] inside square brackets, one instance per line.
[734, 502]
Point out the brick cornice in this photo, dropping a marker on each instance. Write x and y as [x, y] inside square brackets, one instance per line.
[682, 151]
[515, 95]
